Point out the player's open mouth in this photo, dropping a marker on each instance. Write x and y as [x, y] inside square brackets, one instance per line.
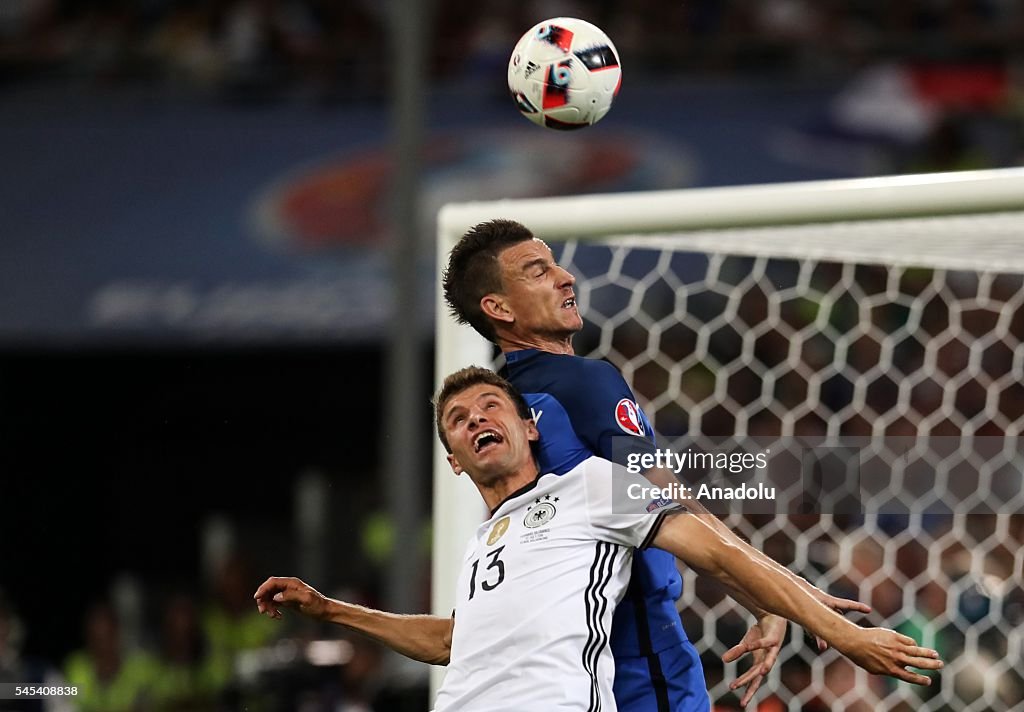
[486, 439]
[569, 303]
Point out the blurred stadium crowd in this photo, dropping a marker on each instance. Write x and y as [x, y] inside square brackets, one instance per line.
[339, 51]
[928, 84]
[176, 650]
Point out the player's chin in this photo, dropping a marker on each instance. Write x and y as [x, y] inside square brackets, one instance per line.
[490, 469]
[570, 319]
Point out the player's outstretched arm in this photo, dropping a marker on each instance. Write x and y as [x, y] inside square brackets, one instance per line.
[877, 650]
[661, 477]
[420, 637]
[763, 641]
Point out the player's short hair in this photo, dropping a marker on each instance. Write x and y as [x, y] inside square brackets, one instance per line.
[467, 378]
[473, 270]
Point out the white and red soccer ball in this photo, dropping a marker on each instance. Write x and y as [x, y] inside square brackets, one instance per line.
[564, 74]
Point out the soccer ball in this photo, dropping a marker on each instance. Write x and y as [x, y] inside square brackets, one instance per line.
[564, 74]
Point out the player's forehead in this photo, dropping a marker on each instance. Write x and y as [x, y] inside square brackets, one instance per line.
[516, 257]
[476, 393]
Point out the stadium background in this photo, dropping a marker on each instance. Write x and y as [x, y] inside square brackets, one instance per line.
[195, 296]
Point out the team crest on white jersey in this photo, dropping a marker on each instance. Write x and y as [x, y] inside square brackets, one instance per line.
[540, 512]
[498, 531]
[627, 415]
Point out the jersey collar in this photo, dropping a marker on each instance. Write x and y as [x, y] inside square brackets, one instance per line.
[520, 355]
[521, 491]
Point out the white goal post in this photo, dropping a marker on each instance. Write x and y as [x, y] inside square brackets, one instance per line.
[970, 222]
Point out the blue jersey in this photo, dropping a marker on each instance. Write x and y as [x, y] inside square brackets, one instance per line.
[580, 405]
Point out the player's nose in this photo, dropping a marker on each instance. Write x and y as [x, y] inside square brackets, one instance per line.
[564, 277]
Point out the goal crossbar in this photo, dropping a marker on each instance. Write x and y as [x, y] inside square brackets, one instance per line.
[966, 192]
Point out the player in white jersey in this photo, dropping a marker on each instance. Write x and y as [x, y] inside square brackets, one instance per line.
[549, 567]
[541, 576]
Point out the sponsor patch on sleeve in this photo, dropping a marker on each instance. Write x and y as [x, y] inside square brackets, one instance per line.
[658, 504]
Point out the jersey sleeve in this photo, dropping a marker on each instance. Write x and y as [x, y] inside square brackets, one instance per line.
[620, 508]
[605, 414]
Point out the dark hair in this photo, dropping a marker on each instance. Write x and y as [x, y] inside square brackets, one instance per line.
[467, 378]
[473, 270]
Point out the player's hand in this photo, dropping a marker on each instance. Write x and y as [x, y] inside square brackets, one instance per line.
[763, 641]
[277, 592]
[881, 651]
[840, 606]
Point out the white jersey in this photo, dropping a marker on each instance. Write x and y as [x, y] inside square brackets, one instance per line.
[539, 583]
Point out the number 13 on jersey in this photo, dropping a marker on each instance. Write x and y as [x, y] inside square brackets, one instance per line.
[495, 577]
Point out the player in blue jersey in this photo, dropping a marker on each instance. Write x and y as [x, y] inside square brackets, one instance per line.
[505, 283]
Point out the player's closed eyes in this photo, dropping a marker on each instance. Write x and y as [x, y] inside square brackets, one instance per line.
[537, 268]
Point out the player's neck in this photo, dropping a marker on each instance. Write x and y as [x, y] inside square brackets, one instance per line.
[550, 344]
[497, 492]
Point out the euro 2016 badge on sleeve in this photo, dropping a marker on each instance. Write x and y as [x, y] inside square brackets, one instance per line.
[627, 415]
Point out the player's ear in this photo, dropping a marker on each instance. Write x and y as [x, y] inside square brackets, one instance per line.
[453, 462]
[532, 434]
[496, 307]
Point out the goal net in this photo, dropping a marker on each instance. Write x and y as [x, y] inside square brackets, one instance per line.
[884, 316]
